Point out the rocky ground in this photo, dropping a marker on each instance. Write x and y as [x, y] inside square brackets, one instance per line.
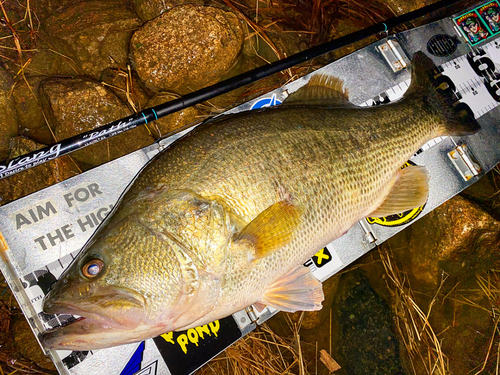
[425, 302]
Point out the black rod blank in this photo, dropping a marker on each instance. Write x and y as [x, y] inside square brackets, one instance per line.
[79, 141]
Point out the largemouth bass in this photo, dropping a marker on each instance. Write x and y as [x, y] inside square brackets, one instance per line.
[225, 217]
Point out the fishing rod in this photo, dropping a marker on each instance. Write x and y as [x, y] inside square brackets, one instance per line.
[111, 129]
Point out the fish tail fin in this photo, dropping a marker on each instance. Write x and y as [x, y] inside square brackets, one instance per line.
[438, 92]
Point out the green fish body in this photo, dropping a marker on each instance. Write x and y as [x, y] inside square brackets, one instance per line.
[226, 216]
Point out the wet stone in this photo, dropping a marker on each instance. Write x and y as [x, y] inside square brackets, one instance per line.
[486, 193]
[97, 31]
[27, 345]
[186, 48]
[32, 123]
[56, 57]
[8, 115]
[403, 7]
[45, 8]
[149, 9]
[37, 178]
[79, 105]
[175, 121]
[369, 345]
[458, 237]
[127, 87]
[466, 332]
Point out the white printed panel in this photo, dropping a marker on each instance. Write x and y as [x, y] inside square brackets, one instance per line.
[324, 263]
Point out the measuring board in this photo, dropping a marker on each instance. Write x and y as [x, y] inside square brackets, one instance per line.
[43, 232]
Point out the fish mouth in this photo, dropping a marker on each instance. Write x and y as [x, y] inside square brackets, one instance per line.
[89, 331]
[103, 320]
[82, 334]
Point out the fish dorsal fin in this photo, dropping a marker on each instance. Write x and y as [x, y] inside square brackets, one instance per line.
[410, 190]
[320, 90]
[297, 290]
[272, 229]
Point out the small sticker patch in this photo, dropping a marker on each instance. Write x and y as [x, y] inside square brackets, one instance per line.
[266, 102]
[185, 351]
[322, 258]
[481, 23]
[490, 14]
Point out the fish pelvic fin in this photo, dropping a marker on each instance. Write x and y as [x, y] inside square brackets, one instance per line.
[272, 229]
[321, 90]
[410, 190]
[437, 92]
[298, 290]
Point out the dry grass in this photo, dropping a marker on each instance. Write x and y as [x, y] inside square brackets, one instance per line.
[421, 342]
[21, 35]
[496, 182]
[424, 346]
[19, 32]
[315, 18]
[489, 287]
[132, 99]
[263, 351]
[10, 361]
[290, 26]
[10, 365]
[22, 38]
[260, 352]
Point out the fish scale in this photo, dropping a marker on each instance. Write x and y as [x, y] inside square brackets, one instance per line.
[148, 280]
[330, 186]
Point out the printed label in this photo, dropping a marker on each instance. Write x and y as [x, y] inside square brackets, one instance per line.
[324, 263]
[29, 216]
[66, 232]
[490, 14]
[24, 162]
[185, 351]
[81, 194]
[320, 259]
[473, 28]
[481, 23]
[71, 200]
[266, 102]
[135, 365]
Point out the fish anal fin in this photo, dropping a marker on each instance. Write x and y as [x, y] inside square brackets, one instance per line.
[259, 306]
[272, 229]
[320, 90]
[298, 290]
[410, 190]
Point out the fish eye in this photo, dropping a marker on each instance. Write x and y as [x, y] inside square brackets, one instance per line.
[92, 268]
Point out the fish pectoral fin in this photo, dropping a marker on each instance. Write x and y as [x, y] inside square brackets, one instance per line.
[410, 190]
[320, 90]
[297, 290]
[272, 229]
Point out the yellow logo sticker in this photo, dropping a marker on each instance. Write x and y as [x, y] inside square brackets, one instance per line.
[322, 256]
[192, 335]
